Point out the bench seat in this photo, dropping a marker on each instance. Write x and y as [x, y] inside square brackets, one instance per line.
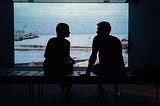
[38, 77]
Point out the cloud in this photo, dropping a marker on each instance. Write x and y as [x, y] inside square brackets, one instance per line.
[68, 10]
[81, 16]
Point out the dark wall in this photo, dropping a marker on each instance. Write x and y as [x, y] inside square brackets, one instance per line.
[6, 34]
[144, 32]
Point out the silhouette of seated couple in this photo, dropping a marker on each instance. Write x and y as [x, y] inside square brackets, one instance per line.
[58, 61]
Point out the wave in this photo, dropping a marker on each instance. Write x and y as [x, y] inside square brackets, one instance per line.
[33, 46]
[42, 47]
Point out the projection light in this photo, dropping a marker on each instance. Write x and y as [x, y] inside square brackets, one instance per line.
[72, 1]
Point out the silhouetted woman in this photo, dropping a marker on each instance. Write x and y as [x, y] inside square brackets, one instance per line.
[58, 62]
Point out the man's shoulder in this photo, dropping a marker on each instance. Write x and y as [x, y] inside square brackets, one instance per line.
[53, 38]
[66, 40]
[114, 38]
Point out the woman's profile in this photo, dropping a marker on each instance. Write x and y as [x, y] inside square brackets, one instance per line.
[58, 62]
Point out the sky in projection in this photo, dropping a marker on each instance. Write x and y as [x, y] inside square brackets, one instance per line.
[82, 18]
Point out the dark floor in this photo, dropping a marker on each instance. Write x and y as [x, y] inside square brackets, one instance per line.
[84, 95]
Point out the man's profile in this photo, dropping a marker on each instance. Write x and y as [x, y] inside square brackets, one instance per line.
[109, 50]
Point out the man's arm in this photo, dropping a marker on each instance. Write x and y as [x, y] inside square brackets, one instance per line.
[92, 58]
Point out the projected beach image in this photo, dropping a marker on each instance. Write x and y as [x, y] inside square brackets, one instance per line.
[35, 24]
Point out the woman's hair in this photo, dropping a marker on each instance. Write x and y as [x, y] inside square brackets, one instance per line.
[62, 29]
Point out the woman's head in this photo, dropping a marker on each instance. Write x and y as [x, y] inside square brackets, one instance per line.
[62, 30]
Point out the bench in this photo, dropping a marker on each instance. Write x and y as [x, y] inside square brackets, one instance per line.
[37, 77]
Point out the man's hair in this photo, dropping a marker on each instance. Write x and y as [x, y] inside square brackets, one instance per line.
[104, 27]
[62, 28]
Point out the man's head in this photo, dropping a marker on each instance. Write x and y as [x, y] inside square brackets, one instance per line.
[103, 28]
[62, 30]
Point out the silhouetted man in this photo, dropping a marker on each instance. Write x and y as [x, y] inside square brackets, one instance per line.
[109, 50]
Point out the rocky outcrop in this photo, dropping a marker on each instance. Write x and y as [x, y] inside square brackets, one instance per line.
[22, 35]
[124, 42]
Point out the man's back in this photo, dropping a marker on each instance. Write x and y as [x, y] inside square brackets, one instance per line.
[110, 49]
[110, 55]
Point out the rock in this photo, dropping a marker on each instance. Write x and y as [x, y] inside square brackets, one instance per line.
[30, 35]
[124, 39]
[31, 64]
[124, 42]
[21, 35]
[124, 45]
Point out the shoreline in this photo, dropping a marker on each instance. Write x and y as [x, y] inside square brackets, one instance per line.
[28, 52]
[42, 48]
[124, 47]
[35, 59]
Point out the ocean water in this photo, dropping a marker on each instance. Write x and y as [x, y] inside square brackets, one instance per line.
[32, 50]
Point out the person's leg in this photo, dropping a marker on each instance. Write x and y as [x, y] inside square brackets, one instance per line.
[69, 91]
[116, 89]
[68, 88]
[62, 86]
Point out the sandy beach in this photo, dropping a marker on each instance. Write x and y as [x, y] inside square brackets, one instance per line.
[30, 52]
[80, 61]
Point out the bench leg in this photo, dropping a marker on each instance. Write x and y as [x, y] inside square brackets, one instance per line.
[31, 94]
[100, 93]
[157, 93]
[40, 91]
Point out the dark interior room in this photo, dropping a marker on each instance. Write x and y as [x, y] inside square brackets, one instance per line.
[23, 84]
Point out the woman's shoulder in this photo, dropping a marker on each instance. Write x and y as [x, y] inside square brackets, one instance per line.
[53, 40]
[96, 37]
